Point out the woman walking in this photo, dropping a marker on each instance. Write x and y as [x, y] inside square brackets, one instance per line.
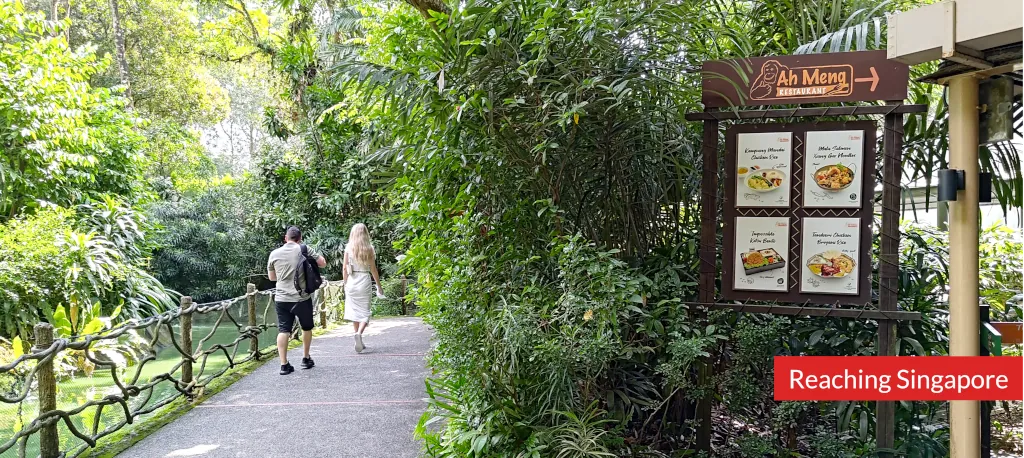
[360, 265]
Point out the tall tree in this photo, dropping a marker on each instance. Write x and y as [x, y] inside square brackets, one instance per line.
[122, 59]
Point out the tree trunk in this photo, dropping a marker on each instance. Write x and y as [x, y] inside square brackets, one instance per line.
[426, 6]
[122, 60]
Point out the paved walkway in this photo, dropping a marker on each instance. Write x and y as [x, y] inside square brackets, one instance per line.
[349, 405]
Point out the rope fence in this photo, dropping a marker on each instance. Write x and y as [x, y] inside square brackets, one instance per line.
[67, 393]
[151, 362]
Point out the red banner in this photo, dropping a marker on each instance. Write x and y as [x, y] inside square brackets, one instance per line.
[899, 378]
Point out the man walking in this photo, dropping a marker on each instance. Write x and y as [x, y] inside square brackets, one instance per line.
[282, 267]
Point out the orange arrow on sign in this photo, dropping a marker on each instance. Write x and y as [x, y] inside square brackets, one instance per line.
[873, 79]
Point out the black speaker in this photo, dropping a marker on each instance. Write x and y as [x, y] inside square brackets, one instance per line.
[984, 187]
[950, 181]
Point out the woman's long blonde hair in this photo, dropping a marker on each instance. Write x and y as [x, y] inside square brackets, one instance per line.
[358, 248]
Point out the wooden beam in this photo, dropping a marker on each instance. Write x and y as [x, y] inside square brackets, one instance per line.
[811, 310]
[872, 110]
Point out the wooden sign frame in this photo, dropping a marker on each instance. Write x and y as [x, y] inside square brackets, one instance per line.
[796, 212]
[728, 84]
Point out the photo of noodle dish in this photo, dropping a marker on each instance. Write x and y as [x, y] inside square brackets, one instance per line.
[834, 177]
[765, 180]
[831, 264]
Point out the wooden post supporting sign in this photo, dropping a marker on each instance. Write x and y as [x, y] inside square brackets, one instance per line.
[708, 262]
[892, 146]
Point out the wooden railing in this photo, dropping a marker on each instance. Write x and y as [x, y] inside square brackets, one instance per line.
[134, 396]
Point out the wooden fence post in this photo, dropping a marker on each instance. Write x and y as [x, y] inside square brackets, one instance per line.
[186, 339]
[250, 299]
[49, 445]
[321, 295]
[404, 311]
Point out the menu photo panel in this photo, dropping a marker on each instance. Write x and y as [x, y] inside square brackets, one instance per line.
[830, 256]
[763, 164]
[833, 169]
[760, 255]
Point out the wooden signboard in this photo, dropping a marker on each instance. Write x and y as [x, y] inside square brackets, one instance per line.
[1011, 333]
[798, 212]
[806, 78]
[798, 200]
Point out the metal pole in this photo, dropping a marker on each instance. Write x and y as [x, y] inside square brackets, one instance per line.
[942, 220]
[49, 444]
[964, 319]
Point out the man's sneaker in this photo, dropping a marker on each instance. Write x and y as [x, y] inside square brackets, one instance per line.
[359, 343]
[307, 363]
[287, 369]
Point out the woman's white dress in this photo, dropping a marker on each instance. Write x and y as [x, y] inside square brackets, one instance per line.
[358, 288]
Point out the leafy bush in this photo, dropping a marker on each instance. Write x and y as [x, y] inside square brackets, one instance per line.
[324, 190]
[87, 261]
[1002, 272]
[542, 346]
[61, 141]
[391, 304]
[549, 199]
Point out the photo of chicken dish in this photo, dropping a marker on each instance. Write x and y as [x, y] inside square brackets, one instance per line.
[834, 177]
[831, 264]
[765, 180]
[761, 260]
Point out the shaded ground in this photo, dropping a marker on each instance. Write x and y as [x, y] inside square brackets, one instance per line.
[349, 405]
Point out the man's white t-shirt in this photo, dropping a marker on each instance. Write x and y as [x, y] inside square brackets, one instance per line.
[285, 261]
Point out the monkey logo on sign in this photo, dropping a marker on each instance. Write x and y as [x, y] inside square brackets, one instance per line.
[764, 85]
[779, 82]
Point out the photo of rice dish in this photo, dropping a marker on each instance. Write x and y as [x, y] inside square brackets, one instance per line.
[761, 260]
[833, 177]
[831, 264]
[765, 181]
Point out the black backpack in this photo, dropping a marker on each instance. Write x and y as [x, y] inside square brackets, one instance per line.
[310, 273]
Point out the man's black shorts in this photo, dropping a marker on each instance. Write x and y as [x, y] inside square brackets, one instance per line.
[287, 311]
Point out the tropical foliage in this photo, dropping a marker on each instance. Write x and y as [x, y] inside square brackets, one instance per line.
[528, 161]
[74, 265]
[207, 243]
[63, 140]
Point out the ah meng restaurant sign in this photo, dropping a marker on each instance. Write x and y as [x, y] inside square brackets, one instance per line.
[798, 79]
